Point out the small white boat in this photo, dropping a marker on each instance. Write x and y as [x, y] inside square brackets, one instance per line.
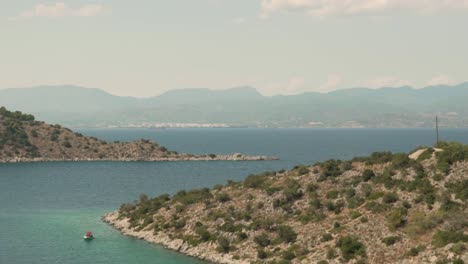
[88, 236]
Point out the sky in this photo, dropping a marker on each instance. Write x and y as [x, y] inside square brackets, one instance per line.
[146, 47]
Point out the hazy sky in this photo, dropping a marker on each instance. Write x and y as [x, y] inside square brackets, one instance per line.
[145, 47]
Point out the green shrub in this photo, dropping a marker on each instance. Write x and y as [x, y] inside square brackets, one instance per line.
[366, 190]
[34, 133]
[262, 240]
[349, 193]
[442, 238]
[351, 247]
[376, 207]
[355, 214]
[332, 194]
[255, 181]
[311, 188]
[224, 244]
[203, 233]
[391, 240]
[390, 198]
[289, 254]
[453, 152]
[286, 233]
[223, 197]
[401, 161]
[414, 251]
[419, 223]
[67, 144]
[261, 254]
[292, 191]
[302, 170]
[331, 253]
[193, 196]
[458, 248]
[367, 175]
[331, 168]
[459, 188]
[396, 218]
[427, 154]
[326, 237]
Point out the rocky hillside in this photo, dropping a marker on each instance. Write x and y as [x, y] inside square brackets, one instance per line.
[385, 208]
[22, 138]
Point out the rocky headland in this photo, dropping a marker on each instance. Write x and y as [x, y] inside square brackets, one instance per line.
[385, 208]
[23, 139]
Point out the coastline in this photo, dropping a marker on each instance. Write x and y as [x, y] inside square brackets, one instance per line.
[207, 254]
[234, 157]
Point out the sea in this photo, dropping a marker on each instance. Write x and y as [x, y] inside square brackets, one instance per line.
[45, 208]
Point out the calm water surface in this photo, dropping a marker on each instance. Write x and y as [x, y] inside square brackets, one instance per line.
[46, 207]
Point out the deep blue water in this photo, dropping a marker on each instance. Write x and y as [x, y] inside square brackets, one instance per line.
[46, 207]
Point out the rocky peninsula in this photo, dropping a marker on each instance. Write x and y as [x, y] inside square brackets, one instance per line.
[385, 208]
[23, 139]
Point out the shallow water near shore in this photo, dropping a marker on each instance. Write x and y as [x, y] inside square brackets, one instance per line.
[45, 208]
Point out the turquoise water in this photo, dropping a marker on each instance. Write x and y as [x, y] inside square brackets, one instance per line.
[45, 208]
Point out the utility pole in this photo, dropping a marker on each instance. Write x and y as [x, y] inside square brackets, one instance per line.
[437, 129]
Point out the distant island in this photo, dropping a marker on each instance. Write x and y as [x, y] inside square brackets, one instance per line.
[23, 139]
[399, 107]
[385, 208]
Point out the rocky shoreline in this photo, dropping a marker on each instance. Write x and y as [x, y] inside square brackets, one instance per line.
[123, 226]
[385, 208]
[233, 157]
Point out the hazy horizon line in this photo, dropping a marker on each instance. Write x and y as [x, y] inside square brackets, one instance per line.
[230, 88]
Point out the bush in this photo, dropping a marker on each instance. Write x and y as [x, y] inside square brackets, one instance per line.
[192, 196]
[355, 214]
[203, 233]
[286, 234]
[289, 254]
[224, 244]
[34, 133]
[351, 247]
[333, 194]
[427, 154]
[396, 218]
[67, 144]
[419, 223]
[326, 237]
[401, 161]
[458, 248]
[331, 253]
[292, 191]
[414, 251]
[453, 152]
[442, 238]
[391, 240]
[302, 170]
[367, 175]
[390, 198]
[261, 254]
[262, 240]
[331, 168]
[223, 197]
[255, 181]
[459, 188]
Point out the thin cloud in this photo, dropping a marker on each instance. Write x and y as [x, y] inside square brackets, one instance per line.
[441, 79]
[380, 82]
[326, 8]
[330, 84]
[60, 9]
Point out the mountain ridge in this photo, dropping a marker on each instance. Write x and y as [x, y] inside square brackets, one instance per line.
[355, 107]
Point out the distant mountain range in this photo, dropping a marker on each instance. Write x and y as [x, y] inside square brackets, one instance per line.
[243, 106]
